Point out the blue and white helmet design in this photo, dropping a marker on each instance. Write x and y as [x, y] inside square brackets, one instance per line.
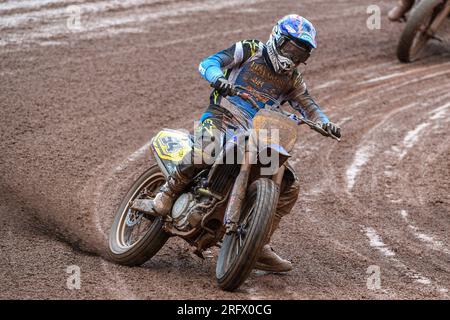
[296, 28]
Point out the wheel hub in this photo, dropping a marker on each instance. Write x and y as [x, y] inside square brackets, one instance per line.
[133, 218]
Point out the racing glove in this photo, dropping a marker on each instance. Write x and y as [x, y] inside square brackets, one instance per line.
[332, 129]
[224, 87]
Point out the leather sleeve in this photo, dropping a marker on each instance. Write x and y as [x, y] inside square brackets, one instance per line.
[212, 67]
[300, 99]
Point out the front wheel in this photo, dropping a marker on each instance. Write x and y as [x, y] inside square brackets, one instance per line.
[135, 237]
[240, 249]
[416, 33]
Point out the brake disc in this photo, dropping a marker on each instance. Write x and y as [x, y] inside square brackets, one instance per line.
[133, 218]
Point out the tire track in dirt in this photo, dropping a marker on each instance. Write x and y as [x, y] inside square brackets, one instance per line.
[318, 190]
[406, 269]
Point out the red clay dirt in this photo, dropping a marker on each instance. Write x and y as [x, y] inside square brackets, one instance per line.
[76, 106]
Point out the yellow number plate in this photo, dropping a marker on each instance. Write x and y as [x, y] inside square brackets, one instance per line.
[172, 145]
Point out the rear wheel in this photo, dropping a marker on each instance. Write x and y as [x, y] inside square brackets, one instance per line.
[416, 33]
[135, 237]
[241, 249]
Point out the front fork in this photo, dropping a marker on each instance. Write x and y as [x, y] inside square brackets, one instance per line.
[237, 197]
[238, 194]
[439, 20]
[278, 177]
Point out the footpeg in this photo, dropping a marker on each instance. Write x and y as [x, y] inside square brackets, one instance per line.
[145, 206]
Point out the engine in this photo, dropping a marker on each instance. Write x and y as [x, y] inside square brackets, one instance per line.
[187, 211]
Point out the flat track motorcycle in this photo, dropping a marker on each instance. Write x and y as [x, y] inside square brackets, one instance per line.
[229, 205]
[423, 24]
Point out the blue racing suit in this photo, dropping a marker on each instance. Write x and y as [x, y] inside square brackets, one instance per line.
[247, 64]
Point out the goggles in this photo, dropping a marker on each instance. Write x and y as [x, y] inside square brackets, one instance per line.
[298, 53]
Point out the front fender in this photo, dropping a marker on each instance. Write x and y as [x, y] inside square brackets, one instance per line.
[271, 157]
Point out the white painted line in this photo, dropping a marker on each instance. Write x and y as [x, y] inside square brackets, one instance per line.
[389, 76]
[404, 73]
[413, 135]
[344, 120]
[133, 157]
[404, 215]
[411, 138]
[17, 19]
[327, 84]
[27, 4]
[366, 149]
[429, 76]
[377, 242]
[109, 22]
[362, 156]
[421, 279]
[440, 113]
[426, 238]
[110, 32]
[358, 103]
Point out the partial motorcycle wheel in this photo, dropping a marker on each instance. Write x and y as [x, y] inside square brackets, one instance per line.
[240, 250]
[415, 35]
[136, 237]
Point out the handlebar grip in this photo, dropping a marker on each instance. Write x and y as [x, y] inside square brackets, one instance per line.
[318, 129]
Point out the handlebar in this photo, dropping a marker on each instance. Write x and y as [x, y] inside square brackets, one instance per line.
[242, 93]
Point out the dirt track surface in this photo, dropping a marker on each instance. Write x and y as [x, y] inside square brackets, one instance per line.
[77, 108]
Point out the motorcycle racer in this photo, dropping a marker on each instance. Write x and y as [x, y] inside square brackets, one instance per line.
[265, 70]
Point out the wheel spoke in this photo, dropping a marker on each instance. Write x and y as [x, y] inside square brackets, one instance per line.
[241, 240]
[131, 224]
[138, 229]
[127, 236]
[248, 217]
[238, 237]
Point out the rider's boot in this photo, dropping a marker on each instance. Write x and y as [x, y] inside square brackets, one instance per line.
[398, 12]
[163, 201]
[169, 192]
[268, 259]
